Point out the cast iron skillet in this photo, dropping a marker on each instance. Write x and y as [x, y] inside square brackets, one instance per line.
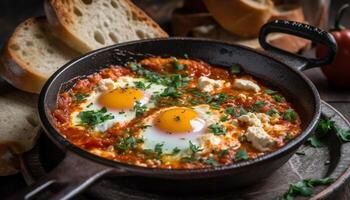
[79, 169]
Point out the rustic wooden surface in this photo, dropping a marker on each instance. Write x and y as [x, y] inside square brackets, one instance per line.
[15, 11]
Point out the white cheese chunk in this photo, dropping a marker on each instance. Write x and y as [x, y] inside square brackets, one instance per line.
[106, 85]
[209, 85]
[260, 140]
[250, 119]
[246, 85]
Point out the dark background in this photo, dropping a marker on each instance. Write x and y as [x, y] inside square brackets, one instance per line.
[13, 12]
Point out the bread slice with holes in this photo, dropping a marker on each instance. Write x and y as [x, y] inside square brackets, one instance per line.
[32, 54]
[91, 24]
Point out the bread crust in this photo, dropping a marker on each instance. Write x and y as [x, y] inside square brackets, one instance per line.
[16, 72]
[58, 19]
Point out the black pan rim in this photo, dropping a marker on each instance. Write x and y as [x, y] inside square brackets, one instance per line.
[61, 141]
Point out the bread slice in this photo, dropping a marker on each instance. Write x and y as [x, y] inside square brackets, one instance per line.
[18, 125]
[91, 24]
[32, 54]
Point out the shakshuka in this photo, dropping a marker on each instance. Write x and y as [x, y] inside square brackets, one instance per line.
[175, 113]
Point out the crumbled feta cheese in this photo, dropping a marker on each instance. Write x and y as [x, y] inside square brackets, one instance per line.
[246, 85]
[208, 85]
[259, 138]
[250, 119]
[242, 96]
[263, 117]
[106, 84]
[209, 140]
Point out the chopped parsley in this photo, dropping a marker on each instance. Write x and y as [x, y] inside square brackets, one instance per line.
[194, 149]
[177, 65]
[211, 161]
[290, 115]
[235, 69]
[304, 188]
[128, 143]
[258, 105]
[278, 98]
[272, 112]
[158, 148]
[217, 129]
[241, 154]
[223, 153]
[230, 111]
[93, 118]
[270, 92]
[287, 137]
[141, 85]
[224, 118]
[139, 109]
[79, 97]
[176, 151]
[171, 92]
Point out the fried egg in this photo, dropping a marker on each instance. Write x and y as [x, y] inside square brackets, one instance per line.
[176, 127]
[119, 98]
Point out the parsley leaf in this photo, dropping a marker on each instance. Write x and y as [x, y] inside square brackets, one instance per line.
[344, 135]
[272, 112]
[171, 92]
[177, 65]
[93, 118]
[79, 97]
[194, 148]
[278, 98]
[290, 115]
[139, 109]
[235, 69]
[211, 161]
[217, 129]
[230, 110]
[141, 85]
[223, 153]
[304, 188]
[258, 105]
[158, 148]
[241, 154]
[269, 91]
[176, 151]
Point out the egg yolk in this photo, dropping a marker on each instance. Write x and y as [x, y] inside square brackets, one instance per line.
[176, 120]
[121, 98]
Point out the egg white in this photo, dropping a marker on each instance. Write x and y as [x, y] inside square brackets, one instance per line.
[153, 136]
[120, 116]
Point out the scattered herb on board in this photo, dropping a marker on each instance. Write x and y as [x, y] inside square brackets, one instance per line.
[304, 188]
[93, 118]
[241, 154]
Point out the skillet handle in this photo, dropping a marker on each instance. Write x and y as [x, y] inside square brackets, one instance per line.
[70, 177]
[301, 30]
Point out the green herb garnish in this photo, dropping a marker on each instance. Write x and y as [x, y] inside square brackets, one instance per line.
[212, 162]
[241, 154]
[278, 98]
[270, 92]
[194, 149]
[272, 112]
[223, 153]
[176, 151]
[177, 65]
[258, 105]
[93, 118]
[290, 115]
[217, 129]
[304, 188]
[235, 69]
[139, 109]
[79, 97]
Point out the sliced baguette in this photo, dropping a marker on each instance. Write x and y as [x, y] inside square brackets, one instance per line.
[91, 24]
[18, 125]
[32, 54]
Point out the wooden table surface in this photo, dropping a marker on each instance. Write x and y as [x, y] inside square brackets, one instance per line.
[15, 11]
